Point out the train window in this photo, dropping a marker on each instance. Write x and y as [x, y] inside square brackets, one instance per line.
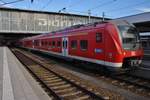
[98, 37]
[49, 43]
[84, 44]
[63, 44]
[74, 44]
[45, 43]
[66, 44]
[53, 44]
[58, 43]
[42, 43]
[37, 42]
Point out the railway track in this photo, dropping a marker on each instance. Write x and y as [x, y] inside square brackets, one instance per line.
[130, 82]
[139, 82]
[134, 79]
[60, 87]
[133, 83]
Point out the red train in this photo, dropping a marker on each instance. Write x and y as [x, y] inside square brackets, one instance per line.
[114, 44]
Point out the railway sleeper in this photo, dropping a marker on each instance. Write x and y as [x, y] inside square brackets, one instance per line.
[50, 78]
[61, 86]
[40, 70]
[37, 71]
[136, 80]
[144, 83]
[84, 97]
[50, 81]
[76, 96]
[140, 89]
[58, 83]
[146, 86]
[73, 93]
[53, 81]
[65, 90]
[33, 66]
[129, 78]
[44, 74]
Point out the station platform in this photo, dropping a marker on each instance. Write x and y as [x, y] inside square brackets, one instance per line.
[15, 81]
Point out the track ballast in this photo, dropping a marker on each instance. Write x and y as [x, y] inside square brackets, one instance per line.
[58, 86]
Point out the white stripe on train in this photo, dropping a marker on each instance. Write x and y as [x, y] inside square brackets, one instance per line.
[106, 63]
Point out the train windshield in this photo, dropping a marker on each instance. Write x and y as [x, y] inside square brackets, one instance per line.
[129, 36]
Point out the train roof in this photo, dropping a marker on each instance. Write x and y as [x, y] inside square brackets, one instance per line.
[77, 27]
[68, 29]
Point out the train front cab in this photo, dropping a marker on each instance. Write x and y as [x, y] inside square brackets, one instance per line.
[128, 47]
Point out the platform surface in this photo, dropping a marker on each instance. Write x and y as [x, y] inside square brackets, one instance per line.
[15, 81]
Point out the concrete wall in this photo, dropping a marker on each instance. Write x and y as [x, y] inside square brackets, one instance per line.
[21, 21]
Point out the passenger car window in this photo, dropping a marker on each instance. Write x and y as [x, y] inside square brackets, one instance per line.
[42, 43]
[49, 43]
[35, 43]
[84, 44]
[45, 43]
[53, 44]
[58, 43]
[74, 44]
[98, 37]
[66, 44]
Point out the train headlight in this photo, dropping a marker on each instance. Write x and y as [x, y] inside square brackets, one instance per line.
[124, 53]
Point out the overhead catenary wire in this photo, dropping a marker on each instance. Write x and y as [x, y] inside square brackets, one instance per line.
[71, 5]
[47, 4]
[78, 11]
[74, 4]
[118, 9]
[93, 8]
[126, 7]
[105, 3]
[81, 12]
[102, 4]
[6, 3]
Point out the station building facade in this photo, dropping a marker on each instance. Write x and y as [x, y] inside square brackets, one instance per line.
[29, 21]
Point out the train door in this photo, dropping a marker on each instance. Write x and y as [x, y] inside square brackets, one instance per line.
[65, 46]
[100, 46]
[33, 43]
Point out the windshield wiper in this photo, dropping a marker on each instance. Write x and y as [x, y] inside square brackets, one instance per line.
[135, 43]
